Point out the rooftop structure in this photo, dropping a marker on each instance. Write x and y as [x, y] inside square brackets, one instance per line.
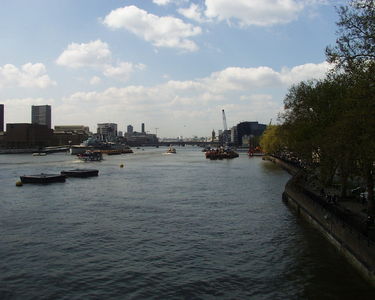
[72, 128]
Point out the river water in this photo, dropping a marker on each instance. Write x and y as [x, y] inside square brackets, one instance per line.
[172, 226]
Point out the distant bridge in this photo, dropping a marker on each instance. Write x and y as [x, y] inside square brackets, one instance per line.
[191, 143]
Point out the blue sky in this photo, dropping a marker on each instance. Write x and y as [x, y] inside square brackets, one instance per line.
[171, 64]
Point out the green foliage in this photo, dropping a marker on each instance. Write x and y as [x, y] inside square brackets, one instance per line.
[271, 140]
[330, 123]
[356, 35]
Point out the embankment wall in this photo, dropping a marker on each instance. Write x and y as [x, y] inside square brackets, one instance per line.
[352, 244]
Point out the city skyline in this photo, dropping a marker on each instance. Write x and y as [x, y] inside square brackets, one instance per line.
[173, 64]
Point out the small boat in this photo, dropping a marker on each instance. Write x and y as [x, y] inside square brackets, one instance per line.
[221, 154]
[91, 156]
[42, 178]
[80, 173]
[171, 150]
[257, 151]
[39, 154]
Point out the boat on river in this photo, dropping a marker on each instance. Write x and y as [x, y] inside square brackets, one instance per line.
[42, 178]
[97, 145]
[221, 153]
[257, 151]
[171, 150]
[83, 173]
[90, 156]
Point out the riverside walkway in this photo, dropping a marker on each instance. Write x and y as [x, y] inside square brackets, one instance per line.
[352, 211]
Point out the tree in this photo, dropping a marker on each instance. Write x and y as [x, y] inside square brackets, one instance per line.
[355, 54]
[356, 35]
[315, 128]
[271, 140]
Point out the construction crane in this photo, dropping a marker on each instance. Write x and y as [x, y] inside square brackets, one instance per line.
[225, 132]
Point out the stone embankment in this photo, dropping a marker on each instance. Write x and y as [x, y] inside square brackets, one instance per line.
[342, 227]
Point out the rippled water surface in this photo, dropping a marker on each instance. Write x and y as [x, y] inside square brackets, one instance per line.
[163, 227]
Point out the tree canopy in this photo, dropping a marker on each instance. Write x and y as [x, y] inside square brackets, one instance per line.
[330, 123]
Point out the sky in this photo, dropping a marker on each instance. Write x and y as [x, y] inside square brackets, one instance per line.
[171, 64]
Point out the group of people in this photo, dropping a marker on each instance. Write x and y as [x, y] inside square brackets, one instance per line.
[331, 199]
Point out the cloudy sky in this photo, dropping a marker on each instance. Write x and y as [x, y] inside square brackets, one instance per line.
[172, 64]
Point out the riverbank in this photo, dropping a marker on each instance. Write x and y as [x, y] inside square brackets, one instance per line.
[52, 149]
[342, 223]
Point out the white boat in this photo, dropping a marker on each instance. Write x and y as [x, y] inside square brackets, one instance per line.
[79, 149]
[171, 150]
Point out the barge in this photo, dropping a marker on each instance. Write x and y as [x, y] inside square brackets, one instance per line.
[42, 178]
[83, 173]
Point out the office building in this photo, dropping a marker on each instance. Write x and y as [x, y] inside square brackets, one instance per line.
[107, 131]
[143, 128]
[234, 135]
[1, 117]
[24, 135]
[129, 129]
[247, 130]
[41, 114]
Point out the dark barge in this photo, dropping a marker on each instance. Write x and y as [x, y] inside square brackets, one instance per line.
[83, 173]
[42, 178]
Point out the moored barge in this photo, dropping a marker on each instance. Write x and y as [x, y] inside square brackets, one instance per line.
[42, 178]
[80, 173]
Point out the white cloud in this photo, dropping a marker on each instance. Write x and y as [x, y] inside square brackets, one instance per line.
[98, 56]
[304, 72]
[169, 32]
[93, 54]
[248, 93]
[122, 71]
[193, 12]
[95, 80]
[161, 2]
[28, 76]
[236, 78]
[254, 12]
[191, 105]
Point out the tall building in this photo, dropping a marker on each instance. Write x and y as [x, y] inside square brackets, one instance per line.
[234, 135]
[249, 129]
[41, 114]
[1, 117]
[107, 131]
[143, 128]
[130, 129]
